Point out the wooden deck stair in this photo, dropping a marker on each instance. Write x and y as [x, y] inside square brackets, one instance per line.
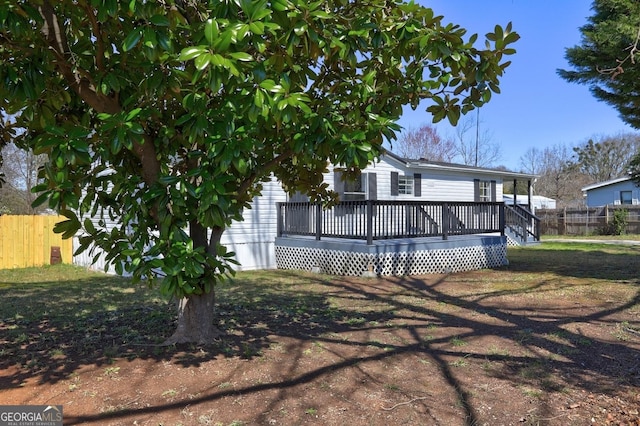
[521, 226]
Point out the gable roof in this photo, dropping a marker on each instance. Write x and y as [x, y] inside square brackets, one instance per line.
[606, 183]
[460, 168]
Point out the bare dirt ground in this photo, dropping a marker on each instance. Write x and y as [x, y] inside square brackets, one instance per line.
[477, 348]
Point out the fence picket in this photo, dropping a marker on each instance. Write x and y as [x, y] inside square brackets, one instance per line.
[27, 240]
[585, 221]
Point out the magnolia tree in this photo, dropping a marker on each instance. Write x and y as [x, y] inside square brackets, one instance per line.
[168, 115]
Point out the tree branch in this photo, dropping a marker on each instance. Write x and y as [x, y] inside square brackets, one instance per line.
[85, 88]
[267, 167]
[619, 69]
[95, 27]
[57, 42]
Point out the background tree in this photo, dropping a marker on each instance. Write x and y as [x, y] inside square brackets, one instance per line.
[20, 170]
[169, 115]
[425, 142]
[606, 157]
[531, 161]
[473, 145]
[634, 170]
[606, 59]
[558, 177]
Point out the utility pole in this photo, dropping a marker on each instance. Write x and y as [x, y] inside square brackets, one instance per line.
[477, 133]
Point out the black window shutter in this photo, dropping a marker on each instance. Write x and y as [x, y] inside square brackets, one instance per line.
[417, 184]
[476, 190]
[298, 197]
[372, 186]
[395, 183]
[338, 183]
[493, 190]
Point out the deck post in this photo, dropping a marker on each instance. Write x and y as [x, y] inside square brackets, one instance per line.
[502, 219]
[445, 221]
[318, 221]
[369, 222]
[279, 224]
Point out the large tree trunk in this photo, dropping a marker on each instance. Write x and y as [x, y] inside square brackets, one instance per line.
[196, 314]
[196, 320]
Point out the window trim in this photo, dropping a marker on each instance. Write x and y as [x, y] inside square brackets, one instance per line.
[406, 185]
[629, 201]
[484, 194]
[356, 195]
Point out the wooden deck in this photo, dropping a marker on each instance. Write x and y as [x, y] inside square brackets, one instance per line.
[379, 220]
[397, 237]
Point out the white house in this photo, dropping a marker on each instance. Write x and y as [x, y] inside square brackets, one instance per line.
[537, 201]
[391, 178]
[396, 178]
[615, 192]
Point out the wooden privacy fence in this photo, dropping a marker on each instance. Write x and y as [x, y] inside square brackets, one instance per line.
[585, 221]
[30, 241]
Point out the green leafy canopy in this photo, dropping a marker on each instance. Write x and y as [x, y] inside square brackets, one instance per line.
[166, 116]
[606, 59]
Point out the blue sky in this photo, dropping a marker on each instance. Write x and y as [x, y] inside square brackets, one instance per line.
[536, 107]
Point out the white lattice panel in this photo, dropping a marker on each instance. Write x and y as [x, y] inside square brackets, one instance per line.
[511, 242]
[336, 262]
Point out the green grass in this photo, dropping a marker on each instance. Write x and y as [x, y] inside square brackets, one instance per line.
[57, 317]
[70, 312]
[580, 260]
[630, 237]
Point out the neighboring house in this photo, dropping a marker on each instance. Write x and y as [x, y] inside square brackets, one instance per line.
[537, 201]
[392, 178]
[615, 192]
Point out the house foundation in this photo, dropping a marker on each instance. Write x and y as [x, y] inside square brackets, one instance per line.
[397, 257]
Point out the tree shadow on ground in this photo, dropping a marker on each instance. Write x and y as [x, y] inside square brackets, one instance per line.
[50, 329]
[255, 314]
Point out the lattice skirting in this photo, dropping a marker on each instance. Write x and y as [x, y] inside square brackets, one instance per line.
[419, 262]
[511, 242]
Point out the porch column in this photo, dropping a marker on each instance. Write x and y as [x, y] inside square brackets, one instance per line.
[369, 224]
[279, 224]
[445, 221]
[529, 191]
[515, 192]
[318, 221]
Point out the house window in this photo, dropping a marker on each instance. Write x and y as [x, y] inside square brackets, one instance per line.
[355, 189]
[626, 197]
[485, 191]
[405, 185]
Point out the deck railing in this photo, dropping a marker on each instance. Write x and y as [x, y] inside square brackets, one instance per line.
[524, 224]
[376, 220]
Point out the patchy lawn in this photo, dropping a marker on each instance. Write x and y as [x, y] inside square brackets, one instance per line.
[627, 237]
[552, 339]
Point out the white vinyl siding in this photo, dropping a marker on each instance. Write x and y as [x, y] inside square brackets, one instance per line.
[252, 239]
[433, 185]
